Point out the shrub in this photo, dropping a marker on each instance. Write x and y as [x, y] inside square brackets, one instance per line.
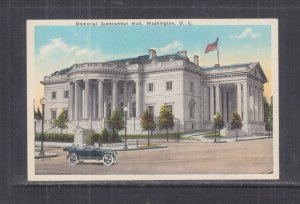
[53, 137]
[104, 135]
[114, 136]
[94, 138]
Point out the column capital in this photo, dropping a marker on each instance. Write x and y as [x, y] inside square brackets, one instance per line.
[115, 80]
[100, 80]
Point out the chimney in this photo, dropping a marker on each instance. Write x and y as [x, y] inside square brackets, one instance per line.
[182, 53]
[152, 53]
[196, 59]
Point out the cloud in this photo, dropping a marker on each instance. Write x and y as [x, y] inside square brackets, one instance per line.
[172, 47]
[58, 46]
[246, 33]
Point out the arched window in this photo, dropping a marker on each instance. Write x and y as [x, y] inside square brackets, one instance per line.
[133, 106]
[192, 108]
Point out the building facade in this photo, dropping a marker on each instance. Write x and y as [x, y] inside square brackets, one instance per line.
[89, 92]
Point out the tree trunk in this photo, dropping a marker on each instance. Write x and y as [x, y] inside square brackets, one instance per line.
[215, 135]
[60, 131]
[167, 135]
[148, 139]
[237, 135]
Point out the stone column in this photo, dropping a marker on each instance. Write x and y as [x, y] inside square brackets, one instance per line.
[239, 98]
[100, 98]
[129, 89]
[262, 104]
[224, 105]
[211, 98]
[205, 103]
[251, 103]
[87, 98]
[230, 104]
[94, 111]
[115, 95]
[217, 88]
[255, 103]
[105, 103]
[245, 101]
[70, 100]
[138, 97]
[76, 100]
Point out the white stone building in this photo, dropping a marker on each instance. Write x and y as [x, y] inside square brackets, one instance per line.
[89, 92]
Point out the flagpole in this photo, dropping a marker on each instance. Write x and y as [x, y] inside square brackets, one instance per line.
[218, 52]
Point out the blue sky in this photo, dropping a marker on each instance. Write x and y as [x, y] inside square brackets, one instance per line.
[58, 47]
[126, 40]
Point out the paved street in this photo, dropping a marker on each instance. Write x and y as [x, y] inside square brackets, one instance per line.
[252, 156]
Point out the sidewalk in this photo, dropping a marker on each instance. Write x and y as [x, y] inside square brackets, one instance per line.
[205, 139]
[114, 146]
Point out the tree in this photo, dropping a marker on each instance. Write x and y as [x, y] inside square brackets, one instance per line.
[61, 121]
[116, 123]
[166, 119]
[236, 123]
[219, 123]
[104, 135]
[93, 138]
[148, 123]
[269, 118]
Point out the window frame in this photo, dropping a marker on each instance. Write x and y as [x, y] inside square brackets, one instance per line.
[55, 94]
[66, 91]
[51, 113]
[169, 89]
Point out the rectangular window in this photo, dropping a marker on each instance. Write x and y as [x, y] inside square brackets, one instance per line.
[151, 109]
[66, 111]
[133, 111]
[150, 87]
[169, 85]
[109, 92]
[192, 86]
[53, 114]
[66, 94]
[171, 108]
[134, 90]
[121, 90]
[53, 95]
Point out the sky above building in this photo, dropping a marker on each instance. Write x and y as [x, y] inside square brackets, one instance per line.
[58, 47]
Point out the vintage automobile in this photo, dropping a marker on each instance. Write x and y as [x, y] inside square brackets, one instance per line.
[81, 153]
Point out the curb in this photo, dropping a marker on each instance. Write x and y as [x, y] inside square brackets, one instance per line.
[45, 156]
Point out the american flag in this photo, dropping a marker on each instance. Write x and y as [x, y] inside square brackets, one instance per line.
[212, 46]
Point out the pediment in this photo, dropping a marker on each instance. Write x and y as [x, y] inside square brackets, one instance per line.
[257, 72]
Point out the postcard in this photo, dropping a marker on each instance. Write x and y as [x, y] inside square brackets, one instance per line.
[141, 99]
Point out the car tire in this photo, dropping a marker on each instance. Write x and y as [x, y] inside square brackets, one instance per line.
[108, 159]
[73, 159]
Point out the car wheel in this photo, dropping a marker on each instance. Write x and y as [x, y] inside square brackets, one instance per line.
[73, 159]
[108, 159]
